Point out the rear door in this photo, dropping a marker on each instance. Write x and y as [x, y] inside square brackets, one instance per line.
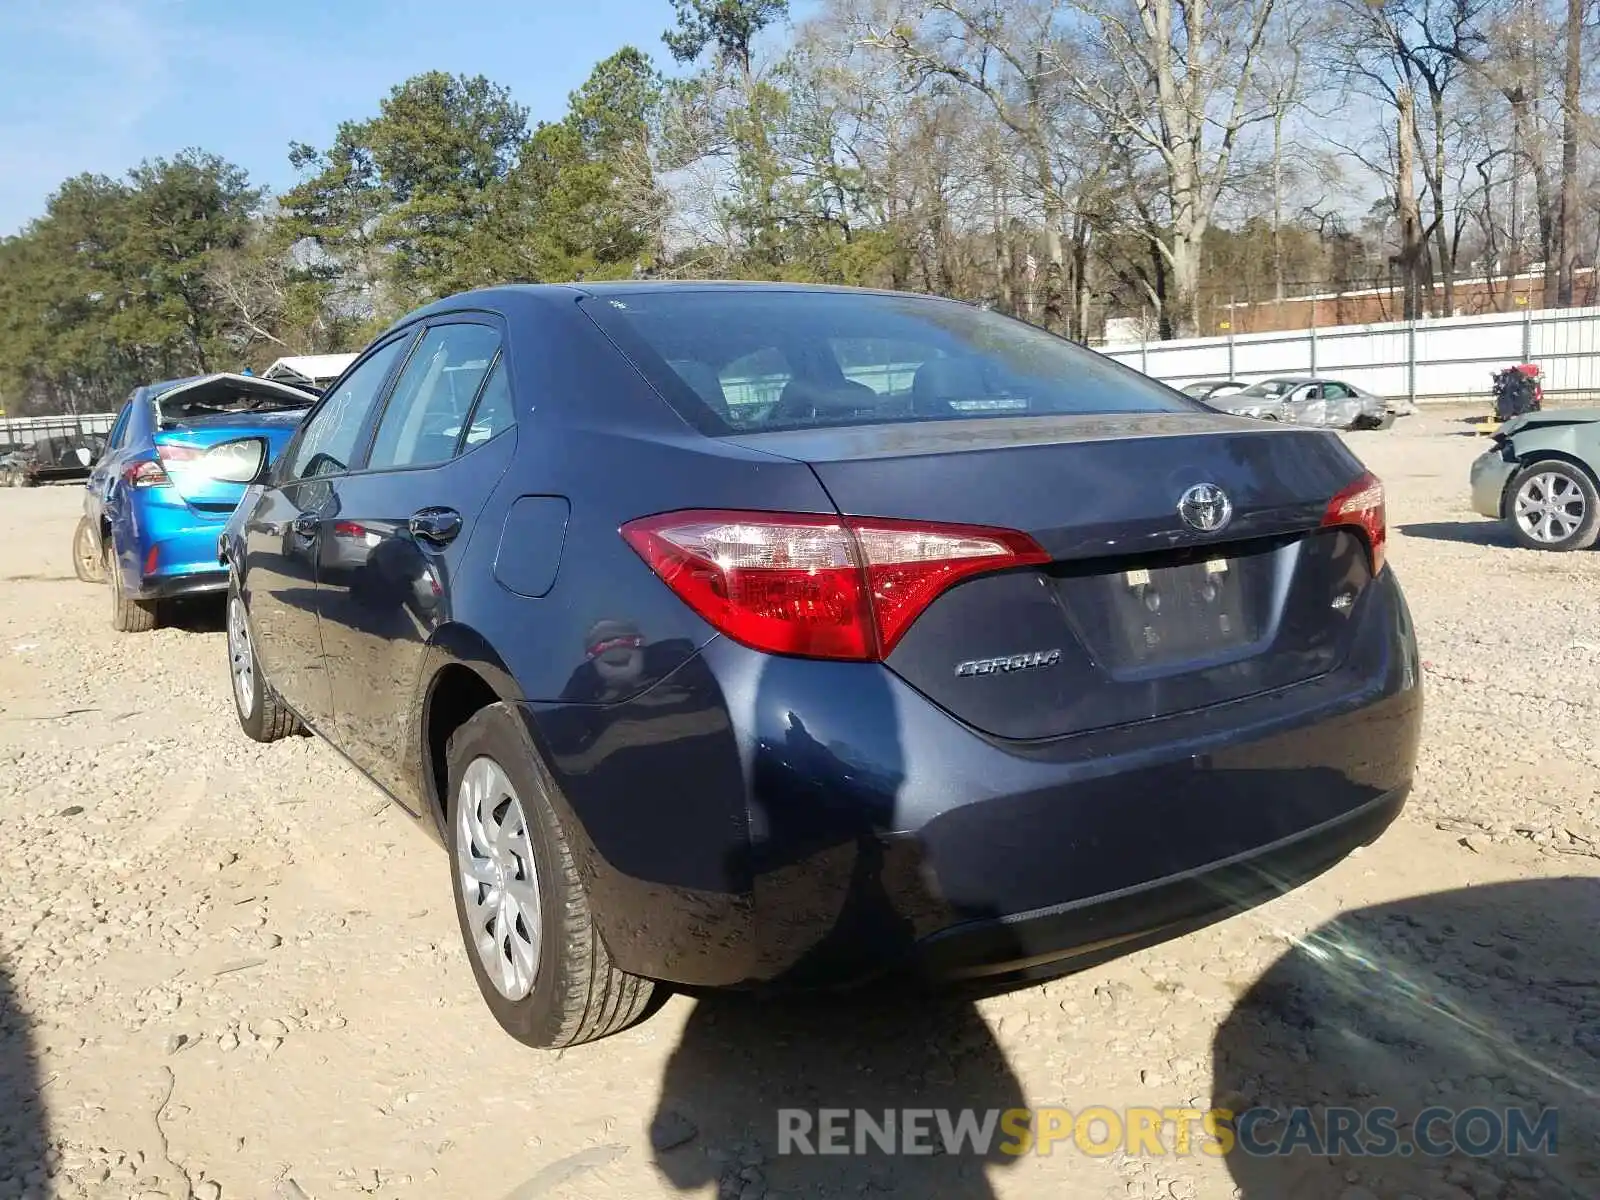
[282, 534]
[395, 533]
[108, 466]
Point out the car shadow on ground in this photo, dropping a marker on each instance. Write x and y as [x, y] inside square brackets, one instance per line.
[1482, 532]
[23, 1126]
[825, 795]
[742, 1060]
[1481, 1005]
[202, 614]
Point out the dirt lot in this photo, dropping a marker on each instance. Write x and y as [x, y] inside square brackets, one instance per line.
[232, 970]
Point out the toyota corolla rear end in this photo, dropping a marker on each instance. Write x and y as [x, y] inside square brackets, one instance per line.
[1043, 685]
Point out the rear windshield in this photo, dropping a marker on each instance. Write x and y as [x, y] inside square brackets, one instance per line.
[751, 361]
[193, 403]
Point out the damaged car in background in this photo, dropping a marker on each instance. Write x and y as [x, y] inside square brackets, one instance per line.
[1302, 400]
[1541, 476]
[176, 464]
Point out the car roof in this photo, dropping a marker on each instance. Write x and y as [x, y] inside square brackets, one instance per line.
[511, 298]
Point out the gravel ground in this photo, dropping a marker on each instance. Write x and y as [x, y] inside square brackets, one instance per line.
[231, 970]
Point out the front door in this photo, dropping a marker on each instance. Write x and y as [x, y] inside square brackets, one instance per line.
[393, 543]
[282, 536]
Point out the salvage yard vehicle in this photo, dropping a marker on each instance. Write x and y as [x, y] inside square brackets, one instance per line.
[1014, 663]
[1330, 403]
[1541, 476]
[176, 463]
[54, 458]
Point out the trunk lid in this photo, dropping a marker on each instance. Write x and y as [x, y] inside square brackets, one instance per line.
[1139, 614]
[181, 445]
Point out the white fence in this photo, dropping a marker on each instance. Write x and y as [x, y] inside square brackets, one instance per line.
[1440, 359]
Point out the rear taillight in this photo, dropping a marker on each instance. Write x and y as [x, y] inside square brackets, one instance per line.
[153, 472]
[147, 474]
[816, 586]
[1361, 505]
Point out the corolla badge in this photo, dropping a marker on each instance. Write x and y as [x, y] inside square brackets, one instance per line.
[1007, 663]
[1205, 507]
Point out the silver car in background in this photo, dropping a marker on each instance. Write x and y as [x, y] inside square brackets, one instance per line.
[1303, 400]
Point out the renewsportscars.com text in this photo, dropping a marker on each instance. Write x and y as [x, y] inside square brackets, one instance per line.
[1162, 1132]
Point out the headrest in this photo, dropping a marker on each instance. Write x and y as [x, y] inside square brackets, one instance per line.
[702, 378]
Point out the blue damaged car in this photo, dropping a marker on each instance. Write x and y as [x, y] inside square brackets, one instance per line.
[176, 463]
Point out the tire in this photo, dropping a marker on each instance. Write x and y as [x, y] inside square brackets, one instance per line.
[565, 990]
[129, 616]
[262, 714]
[88, 561]
[1553, 505]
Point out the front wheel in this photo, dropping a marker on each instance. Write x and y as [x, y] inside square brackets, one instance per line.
[88, 562]
[1553, 506]
[262, 714]
[524, 914]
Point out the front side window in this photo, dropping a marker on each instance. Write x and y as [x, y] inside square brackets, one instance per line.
[328, 440]
[433, 397]
[790, 359]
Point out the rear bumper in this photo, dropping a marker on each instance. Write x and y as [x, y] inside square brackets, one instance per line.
[176, 555]
[1079, 934]
[176, 586]
[762, 821]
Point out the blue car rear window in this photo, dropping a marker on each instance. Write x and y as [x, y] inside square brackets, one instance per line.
[744, 360]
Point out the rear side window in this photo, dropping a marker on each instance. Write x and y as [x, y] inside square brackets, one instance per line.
[433, 397]
[494, 414]
[119, 431]
[805, 359]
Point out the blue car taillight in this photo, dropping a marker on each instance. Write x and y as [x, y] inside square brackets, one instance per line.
[147, 474]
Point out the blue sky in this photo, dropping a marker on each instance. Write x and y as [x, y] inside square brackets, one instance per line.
[97, 85]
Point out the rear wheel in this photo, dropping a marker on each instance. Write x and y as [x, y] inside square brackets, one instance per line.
[128, 615]
[1553, 506]
[88, 563]
[263, 715]
[523, 912]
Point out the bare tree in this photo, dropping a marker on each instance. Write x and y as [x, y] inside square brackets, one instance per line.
[1178, 78]
[1571, 115]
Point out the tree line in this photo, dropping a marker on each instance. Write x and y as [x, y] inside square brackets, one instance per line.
[1060, 160]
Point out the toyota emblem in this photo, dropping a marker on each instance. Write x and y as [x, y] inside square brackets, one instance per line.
[1205, 507]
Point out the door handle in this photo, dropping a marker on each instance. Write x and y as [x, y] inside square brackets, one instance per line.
[305, 525]
[437, 526]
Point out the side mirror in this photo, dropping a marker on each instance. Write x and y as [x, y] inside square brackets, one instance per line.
[243, 460]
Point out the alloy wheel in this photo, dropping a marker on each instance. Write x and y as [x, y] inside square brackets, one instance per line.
[88, 556]
[241, 659]
[498, 880]
[1550, 507]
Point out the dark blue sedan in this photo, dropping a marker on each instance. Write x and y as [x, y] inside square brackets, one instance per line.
[747, 635]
